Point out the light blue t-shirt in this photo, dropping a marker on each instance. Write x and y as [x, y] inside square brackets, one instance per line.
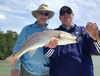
[38, 63]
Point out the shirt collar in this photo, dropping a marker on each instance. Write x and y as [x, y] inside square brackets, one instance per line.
[37, 25]
[68, 28]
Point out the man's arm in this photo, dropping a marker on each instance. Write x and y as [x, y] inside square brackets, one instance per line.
[49, 48]
[15, 73]
[92, 46]
[17, 46]
[97, 45]
[16, 70]
[92, 30]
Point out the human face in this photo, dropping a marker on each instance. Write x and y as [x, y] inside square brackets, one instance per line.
[66, 18]
[42, 17]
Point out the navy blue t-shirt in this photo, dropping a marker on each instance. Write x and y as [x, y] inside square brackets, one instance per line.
[73, 59]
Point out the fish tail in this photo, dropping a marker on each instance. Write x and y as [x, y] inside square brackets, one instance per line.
[12, 60]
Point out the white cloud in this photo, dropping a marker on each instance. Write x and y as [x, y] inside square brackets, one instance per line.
[9, 9]
[5, 8]
[19, 1]
[2, 17]
[85, 10]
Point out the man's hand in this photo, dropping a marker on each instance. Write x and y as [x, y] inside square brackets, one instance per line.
[92, 30]
[53, 43]
[15, 73]
[98, 37]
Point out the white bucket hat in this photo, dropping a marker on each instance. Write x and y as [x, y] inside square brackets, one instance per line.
[43, 7]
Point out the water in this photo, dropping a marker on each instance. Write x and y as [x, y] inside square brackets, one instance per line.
[96, 62]
[5, 67]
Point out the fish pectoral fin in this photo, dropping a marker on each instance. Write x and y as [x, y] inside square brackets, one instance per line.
[32, 52]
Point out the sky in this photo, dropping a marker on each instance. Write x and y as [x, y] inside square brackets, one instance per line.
[15, 14]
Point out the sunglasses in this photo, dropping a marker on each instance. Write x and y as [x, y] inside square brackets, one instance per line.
[43, 14]
[65, 12]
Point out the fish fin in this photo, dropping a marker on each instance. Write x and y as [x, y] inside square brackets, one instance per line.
[32, 52]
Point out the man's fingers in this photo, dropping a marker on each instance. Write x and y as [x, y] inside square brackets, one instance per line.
[92, 29]
[53, 43]
[54, 38]
[46, 45]
[91, 25]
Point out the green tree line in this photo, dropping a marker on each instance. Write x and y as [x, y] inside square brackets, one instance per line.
[7, 40]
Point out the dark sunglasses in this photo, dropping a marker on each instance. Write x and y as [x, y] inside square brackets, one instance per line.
[43, 14]
[65, 12]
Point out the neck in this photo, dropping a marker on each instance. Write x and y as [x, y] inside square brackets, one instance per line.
[68, 25]
[41, 24]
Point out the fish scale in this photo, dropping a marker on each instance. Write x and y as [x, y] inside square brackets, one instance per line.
[41, 38]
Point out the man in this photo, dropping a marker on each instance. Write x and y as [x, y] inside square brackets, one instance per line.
[37, 64]
[73, 59]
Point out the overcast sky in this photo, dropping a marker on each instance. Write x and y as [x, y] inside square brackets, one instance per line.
[15, 14]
